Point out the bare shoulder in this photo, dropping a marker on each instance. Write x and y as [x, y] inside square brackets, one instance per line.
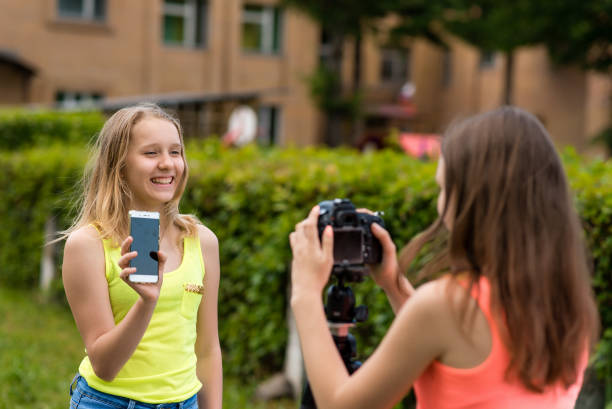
[83, 260]
[448, 306]
[432, 293]
[432, 301]
[84, 241]
[208, 239]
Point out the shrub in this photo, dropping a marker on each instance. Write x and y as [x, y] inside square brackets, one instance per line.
[21, 128]
[252, 198]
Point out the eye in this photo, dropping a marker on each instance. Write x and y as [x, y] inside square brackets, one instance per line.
[150, 153]
[175, 152]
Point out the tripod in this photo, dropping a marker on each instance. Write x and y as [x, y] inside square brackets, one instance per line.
[341, 315]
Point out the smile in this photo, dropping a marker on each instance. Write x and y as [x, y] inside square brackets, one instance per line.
[163, 181]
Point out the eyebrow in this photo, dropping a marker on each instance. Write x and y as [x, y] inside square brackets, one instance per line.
[156, 144]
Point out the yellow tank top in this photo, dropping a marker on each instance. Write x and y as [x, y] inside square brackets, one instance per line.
[163, 366]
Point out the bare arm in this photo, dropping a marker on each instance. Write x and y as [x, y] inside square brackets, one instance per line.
[208, 350]
[413, 341]
[108, 346]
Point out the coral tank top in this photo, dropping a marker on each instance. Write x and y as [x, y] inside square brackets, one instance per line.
[484, 386]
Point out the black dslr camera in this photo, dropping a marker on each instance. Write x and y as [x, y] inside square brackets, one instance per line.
[354, 244]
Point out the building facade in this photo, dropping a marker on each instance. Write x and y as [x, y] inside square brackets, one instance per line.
[204, 57]
[574, 105]
[189, 52]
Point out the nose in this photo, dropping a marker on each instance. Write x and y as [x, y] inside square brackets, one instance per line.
[165, 162]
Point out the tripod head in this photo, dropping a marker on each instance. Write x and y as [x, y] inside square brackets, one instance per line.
[340, 302]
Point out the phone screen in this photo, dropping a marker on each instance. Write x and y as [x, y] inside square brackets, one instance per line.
[144, 229]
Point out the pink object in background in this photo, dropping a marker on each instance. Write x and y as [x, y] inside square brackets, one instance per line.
[420, 145]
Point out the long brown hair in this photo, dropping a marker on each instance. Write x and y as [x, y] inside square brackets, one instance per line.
[106, 194]
[513, 222]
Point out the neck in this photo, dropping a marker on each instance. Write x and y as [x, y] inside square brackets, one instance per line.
[164, 225]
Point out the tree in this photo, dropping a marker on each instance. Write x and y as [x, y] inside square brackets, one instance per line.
[342, 19]
[339, 19]
[583, 36]
[498, 25]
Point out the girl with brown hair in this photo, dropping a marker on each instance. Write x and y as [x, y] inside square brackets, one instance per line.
[508, 324]
[148, 345]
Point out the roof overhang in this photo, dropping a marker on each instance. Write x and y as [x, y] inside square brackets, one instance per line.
[178, 98]
[14, 60]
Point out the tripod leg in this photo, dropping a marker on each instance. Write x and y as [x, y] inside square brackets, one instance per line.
[308, 401]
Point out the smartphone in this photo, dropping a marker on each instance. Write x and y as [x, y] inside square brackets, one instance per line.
[144, 229]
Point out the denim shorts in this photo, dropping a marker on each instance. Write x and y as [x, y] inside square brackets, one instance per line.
[83, 396]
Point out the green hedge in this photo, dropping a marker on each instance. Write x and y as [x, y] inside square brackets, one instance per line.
[252, 199]
[21, 128]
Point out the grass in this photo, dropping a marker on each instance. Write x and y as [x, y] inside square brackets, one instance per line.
[40, 350]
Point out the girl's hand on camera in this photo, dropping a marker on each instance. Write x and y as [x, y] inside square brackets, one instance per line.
[149, 292]
[312, 260]
[385, 274]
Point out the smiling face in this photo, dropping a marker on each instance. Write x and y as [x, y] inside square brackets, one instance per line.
[154, 163]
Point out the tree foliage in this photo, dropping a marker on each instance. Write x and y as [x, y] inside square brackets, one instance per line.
[582, 33]
[344, 16]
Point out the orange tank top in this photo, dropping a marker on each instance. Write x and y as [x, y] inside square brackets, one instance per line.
[484, 386]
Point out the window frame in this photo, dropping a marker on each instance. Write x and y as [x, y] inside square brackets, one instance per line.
[270, 26]
[71, 99]
[399, 59]
[188, 12]
[88, 12]
[487, 60]
[272, 114]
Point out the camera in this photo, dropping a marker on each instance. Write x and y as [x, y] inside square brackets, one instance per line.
[354, 244]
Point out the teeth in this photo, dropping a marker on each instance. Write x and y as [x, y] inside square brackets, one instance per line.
[162, 181]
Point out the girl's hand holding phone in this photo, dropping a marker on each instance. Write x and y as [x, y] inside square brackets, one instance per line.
[147, 291]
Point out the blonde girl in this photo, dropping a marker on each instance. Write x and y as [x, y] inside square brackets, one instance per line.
[510, 323]
[147, 345]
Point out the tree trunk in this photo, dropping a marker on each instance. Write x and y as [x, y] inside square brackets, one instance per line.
[508, 78]
[358, 120]
[334, 129]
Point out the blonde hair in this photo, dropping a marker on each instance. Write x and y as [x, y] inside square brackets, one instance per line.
[106, 195]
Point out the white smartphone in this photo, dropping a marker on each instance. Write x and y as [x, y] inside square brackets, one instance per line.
[144, 229]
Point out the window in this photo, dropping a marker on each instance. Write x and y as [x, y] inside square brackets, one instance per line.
[94, 10]
[184, 23]
[269, 125]
[261, 29]
[75, 100]
[447, 68]
[326, 48]
[395, 65]
[487, 60]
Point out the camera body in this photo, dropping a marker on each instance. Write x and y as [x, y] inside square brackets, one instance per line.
[354, 244]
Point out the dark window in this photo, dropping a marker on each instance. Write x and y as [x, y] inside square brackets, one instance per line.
[269, 125]
[77, 99]
[262, 29]
[94, 10]
[447, 68]
[395, 65]
[184, 23]
[487, 59]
